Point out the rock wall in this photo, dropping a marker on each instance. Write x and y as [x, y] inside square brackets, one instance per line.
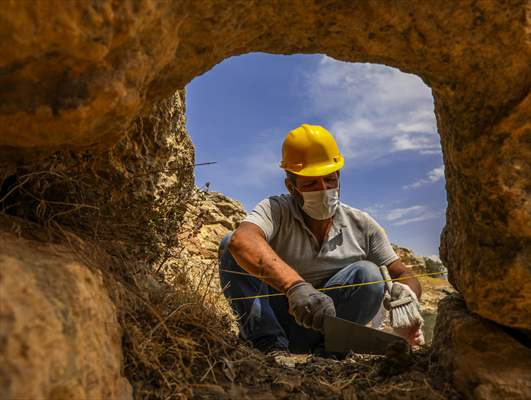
[484, 361]
[134, 192]
[77, 74]
[59, 332]
[209, 217]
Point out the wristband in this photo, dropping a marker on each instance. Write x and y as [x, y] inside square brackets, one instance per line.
[296, 283]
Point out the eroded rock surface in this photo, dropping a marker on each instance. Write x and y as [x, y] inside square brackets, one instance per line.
[77, 74]
[419, 264]
[209, 217]
[483, 360]
[59, 333]
[129, 200]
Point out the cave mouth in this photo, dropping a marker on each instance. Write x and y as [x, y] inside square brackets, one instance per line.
[128, 60]
[479, 101]
[382, 119]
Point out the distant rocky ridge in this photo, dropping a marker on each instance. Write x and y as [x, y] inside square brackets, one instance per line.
[420, 264]
[210, 215]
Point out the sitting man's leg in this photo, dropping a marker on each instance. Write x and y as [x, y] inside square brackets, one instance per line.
[256, 319]
[301, 339]
[360, 303]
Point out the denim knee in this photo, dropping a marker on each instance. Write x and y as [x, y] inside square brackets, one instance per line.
[224, 245]
[369, 272]
[360, 272]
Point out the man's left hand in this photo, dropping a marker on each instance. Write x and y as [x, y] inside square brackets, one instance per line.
[413, 335]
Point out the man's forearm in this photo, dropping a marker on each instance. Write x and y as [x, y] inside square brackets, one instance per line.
[252, 252]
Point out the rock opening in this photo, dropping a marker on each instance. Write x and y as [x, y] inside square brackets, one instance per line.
[92, 136]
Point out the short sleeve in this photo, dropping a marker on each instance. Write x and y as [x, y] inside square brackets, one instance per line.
[266, 215]
[380, 250]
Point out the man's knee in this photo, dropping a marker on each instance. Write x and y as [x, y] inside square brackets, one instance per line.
[224, 245]
[368, 272]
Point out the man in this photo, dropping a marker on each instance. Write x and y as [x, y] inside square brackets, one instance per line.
[297, 243]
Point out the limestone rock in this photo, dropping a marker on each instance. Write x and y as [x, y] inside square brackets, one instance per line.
[136, 190]
[484, 361]
[59, 334]
[416, 263]
[210, 215]
[434, 264]
[76, 74]
[419, 264]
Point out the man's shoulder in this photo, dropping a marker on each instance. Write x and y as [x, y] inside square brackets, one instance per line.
[354, 212]
[281, 198]
[275, 203]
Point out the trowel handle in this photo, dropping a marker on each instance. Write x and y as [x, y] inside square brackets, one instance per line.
[387, 278]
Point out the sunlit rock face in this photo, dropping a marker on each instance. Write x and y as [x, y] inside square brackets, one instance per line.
[76, 74]
[59, 328]
[484, 361]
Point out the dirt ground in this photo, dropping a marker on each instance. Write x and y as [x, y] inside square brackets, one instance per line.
[355, 377]
[193, 351]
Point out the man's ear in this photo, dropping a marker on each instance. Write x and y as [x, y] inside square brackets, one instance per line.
[289, 185]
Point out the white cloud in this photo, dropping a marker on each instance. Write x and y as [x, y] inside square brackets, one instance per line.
[411, 142]
[373, 110]
[425, 215]
[404, 215]
[399, 213]
[433, 176]
[424, 152]
[436, 174]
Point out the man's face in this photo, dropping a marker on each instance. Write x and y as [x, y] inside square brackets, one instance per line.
[314, 183]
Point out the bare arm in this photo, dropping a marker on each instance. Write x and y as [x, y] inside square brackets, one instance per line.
[398, 270]
[252, 252]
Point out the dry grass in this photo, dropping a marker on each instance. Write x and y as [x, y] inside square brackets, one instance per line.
[179, 341]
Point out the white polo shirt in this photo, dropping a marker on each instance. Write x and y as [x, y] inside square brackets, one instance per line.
[353, 236]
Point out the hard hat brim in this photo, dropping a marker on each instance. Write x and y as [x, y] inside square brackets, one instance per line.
[319, 169]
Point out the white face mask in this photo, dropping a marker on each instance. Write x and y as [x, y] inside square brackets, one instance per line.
[321, 204]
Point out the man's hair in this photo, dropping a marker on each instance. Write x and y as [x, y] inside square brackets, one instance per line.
[293, 178]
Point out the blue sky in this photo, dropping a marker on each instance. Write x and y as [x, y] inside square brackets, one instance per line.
[239, 112]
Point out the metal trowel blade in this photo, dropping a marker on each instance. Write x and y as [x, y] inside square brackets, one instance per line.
[342, 336]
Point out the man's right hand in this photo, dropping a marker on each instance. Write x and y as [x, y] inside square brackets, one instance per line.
[309, 306]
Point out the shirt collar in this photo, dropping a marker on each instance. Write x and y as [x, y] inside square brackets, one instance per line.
[338, 220]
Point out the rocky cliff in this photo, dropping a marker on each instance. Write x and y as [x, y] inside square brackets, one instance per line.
[76, 75]
[92, 146]
[419, 264]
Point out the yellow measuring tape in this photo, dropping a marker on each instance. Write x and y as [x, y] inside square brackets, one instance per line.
[261, 296]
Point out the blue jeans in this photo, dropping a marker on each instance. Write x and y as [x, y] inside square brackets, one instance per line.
[266, 321]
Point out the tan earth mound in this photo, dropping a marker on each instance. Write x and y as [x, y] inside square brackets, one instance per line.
[78, 73]
[92, 140]
[60, 337]
[484, 360]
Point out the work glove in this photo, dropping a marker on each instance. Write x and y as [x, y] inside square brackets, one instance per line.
[407, 325]
[400, 291]
[309, 306]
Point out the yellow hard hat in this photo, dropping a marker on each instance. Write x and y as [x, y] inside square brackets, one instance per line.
[310, 150]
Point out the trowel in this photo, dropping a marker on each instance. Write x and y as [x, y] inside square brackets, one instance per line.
[343, 336]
